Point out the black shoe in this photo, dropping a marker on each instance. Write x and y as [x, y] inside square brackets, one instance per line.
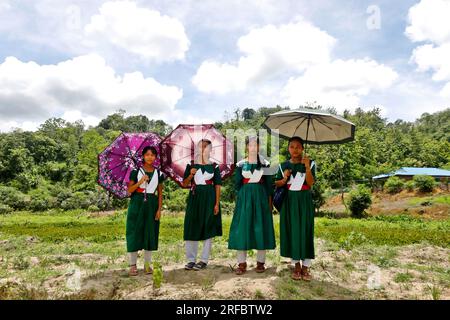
[189, 266]
[200, 266]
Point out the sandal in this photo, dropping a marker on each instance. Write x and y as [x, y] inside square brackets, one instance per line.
[241, 269]
[260, 267]
[297, 273]
[306, 275]
[133, 270]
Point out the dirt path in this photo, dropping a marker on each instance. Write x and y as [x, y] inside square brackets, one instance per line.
[409, 272]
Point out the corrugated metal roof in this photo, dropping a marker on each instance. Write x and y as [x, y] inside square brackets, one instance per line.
[412, 171]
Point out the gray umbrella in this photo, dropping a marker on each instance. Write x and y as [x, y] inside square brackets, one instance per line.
[312, 125]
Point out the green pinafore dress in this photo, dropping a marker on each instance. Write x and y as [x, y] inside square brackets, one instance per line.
[142, 229]
[252, 224]
[200, 222]
[297, 214]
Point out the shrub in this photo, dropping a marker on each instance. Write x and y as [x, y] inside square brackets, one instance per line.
[424, 183]
[359, 201]
[410, 185]
[227, 207]
[394, 185]
[318, 195]
[13, 198]
[41, 200]
[78, 200]
[93, 208]
[5, 209]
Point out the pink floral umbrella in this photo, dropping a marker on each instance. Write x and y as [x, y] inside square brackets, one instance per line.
[116, 162]
[180, 147]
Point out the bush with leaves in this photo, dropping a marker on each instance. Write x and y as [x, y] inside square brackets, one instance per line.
[318, 195]
[359, 200]
[424, 183]
[41, 200]
[79, 200]
[410, 185]
[5, 209]
[13, 198]
[394, 185]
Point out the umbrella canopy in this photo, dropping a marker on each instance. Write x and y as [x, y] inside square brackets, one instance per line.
[312, 125]
[122, 156]
[180, 148]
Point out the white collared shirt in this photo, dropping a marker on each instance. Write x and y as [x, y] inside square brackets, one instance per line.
[256, 175]
[150, 186]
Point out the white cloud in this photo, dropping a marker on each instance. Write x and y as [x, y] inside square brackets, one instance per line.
[340, 83]
[84, 86]
[437, 59]
[142, 31]
[429, 21]
[268, 52]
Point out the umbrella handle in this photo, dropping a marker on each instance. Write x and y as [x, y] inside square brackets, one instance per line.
[307, 133]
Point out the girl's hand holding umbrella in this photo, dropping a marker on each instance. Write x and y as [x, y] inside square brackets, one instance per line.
[144, 178]
[306, 161]
[193, 171]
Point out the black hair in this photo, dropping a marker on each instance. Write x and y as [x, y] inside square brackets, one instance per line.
[247, 141]
[151, 148]
[298, 139]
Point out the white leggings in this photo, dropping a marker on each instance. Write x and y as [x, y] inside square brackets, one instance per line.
[306, 262]
[132, 256]
[192, 250]
[260, 256]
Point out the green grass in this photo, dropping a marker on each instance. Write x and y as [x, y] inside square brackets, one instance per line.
[58, 227]
[40, 246]
[403, 277]
[443, 199]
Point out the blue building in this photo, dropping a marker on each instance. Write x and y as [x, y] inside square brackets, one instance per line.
[408, 173]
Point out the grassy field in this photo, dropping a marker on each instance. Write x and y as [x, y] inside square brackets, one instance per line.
[81, 255]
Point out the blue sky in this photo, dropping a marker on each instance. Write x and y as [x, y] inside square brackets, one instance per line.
[193, 60]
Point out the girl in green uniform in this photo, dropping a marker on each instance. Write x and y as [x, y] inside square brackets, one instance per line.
[252, 224]
[203, 218]
[144, 211]
[297, 210]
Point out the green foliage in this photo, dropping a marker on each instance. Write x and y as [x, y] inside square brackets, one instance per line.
[5, 209]
[424, 183]
[410, 185]
[59, 160]
[157, 275]
[318, 194]
[359, 201]
[394, 185]
[13, 198]
[352, 240]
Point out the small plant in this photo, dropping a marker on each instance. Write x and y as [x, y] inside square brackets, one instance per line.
[403, 277]
[157, 275]
[208, 283]
[424, 183]
[259, 295]
[360, 200]
[394, 185]
[352, 240]
[435, 292]
[20, 263]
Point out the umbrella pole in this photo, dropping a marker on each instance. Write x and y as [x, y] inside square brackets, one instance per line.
[307, 133]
